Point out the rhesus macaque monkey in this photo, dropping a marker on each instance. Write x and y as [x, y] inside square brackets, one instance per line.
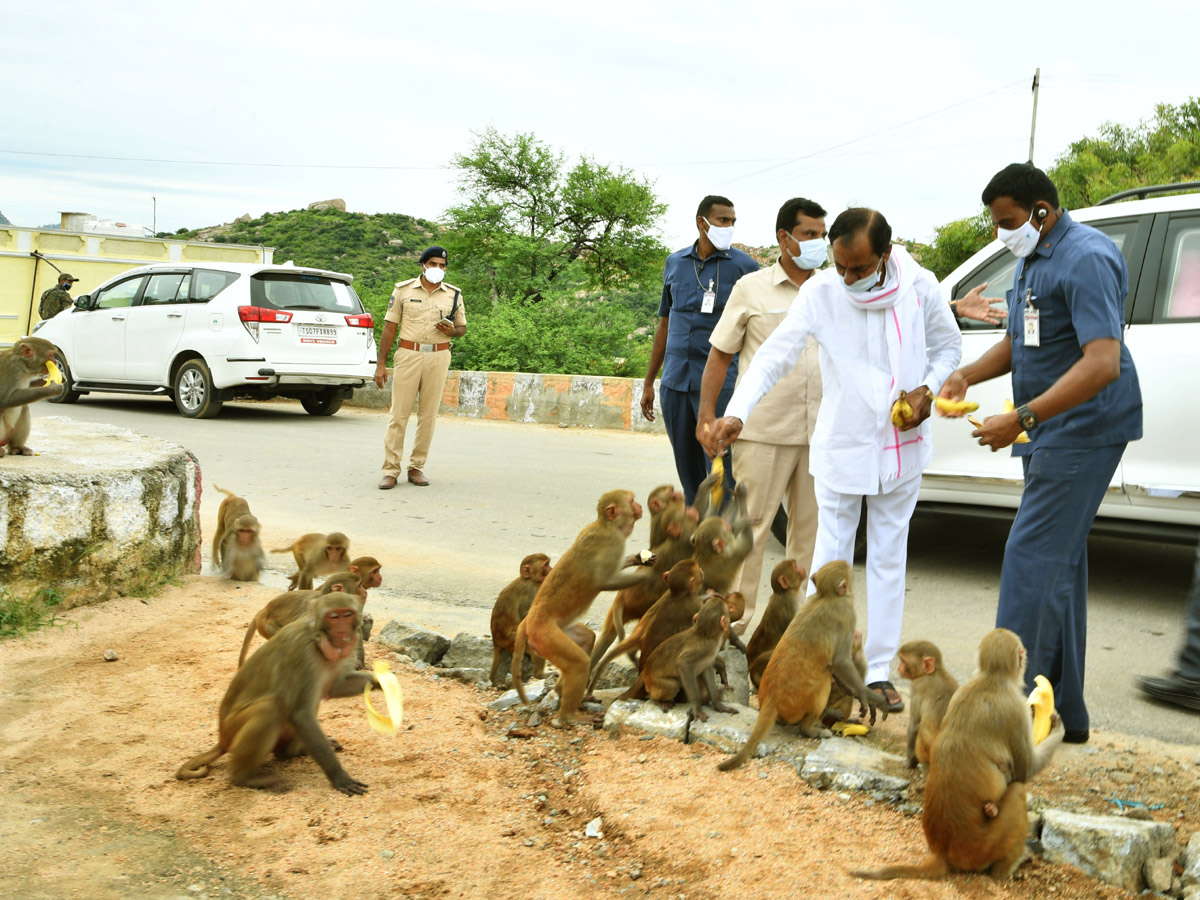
[932, 688]
[510, 608]
[371, 573]
[975, 817]
[595, 562]
[683, 659]
[657, 503]
[271, 704]
[678, 522]
[317, 554]
[719, 546]
[795, 685]
[291, 605]
[840, 703]
[237, 546]
[20, 366]
[786, 580]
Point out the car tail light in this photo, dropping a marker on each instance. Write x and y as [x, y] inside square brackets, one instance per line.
[252, 315]
[360, 321]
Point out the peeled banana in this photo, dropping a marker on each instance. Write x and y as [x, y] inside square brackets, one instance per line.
[718, 488]
[392, 695]
[1041, 699]
[53, 373]
[901, 410]
[955, 406]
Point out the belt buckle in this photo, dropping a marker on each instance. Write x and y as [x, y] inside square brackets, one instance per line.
[425, 348]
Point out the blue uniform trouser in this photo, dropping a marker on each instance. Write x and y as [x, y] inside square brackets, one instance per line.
[1189, 656]
[1043, 580]
[680, 412]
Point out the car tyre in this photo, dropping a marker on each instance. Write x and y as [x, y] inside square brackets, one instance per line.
[68, 395]
[326, 403]
[195, 396]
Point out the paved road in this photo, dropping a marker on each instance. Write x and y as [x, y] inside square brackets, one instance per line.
[501, 490]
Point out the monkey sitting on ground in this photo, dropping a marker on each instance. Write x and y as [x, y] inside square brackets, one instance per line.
[271, 704]
[370, 571]
[841, 703]
[682, 660]
[786, 580]
[510, 608]
[932, 688]
[20, 366]
[795, 685]
[594, 562]
[237, 548]
[976, 817]
[317, 555]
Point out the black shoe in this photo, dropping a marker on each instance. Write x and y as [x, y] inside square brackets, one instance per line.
[1076, 737]
[1173, 689]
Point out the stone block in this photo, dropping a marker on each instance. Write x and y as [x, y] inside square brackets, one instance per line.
[729, 731]
[467, 675]
[620, 673]
[426, 646]
[739, 677]
[1112, 849]
[468, 651]
[641, 715]
[847, 765]
[534, 690]
[1191, 861]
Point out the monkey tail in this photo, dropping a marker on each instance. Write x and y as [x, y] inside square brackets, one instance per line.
[197, 766]
[250, 629]
[518, 657]
[618, 618]
[932, 868]
[603, 664]
[229, 494]
[767, 714]
[637, 690]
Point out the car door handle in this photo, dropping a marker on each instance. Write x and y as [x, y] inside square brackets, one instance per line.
[118, 318]
[174, 315]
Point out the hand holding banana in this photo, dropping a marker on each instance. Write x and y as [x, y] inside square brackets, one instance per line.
[994, 433]
[912, 408]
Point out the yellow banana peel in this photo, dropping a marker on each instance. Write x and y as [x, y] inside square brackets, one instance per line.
[955, 406]
[1041, 699]
[849, 729]
[718, 488]
[1021, 438]
[53, 373]
[901, 410]
[392, 695]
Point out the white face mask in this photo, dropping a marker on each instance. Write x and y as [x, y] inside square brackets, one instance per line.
[1020, 241]
[865, 283]
[434, 275]
[721, 238]
[813, 254]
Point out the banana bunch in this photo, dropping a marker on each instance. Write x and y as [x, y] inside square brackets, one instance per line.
[1041, 700]
[392, 695]
[955, 406]
[53, 373]
[901, 410]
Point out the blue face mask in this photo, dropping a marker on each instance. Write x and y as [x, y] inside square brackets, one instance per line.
[813, 254]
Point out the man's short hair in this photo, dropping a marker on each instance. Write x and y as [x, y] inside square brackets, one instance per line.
[860, 218]
[1025, 183]
[709, 202]
[797, 206]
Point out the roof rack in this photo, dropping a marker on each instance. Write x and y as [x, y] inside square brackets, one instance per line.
[1179, 187]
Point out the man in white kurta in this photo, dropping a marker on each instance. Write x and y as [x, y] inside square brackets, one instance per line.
[882, 327]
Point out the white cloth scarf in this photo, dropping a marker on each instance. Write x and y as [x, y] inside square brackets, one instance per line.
[904, 328]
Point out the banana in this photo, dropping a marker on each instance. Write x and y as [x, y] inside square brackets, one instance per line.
[1041, 699]
[901, 410]
[848, 729]
[955, 406]
[718, 488]
[53, 373]
[393, 696]
[1021, 438]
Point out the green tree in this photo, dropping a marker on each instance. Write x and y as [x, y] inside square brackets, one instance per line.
[954, 243]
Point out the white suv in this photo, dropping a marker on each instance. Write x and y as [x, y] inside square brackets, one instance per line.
[1156, 489]
[208, 333]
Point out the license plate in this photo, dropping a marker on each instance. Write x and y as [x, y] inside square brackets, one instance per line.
[316, 331]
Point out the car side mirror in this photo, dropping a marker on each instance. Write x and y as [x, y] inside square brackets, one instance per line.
[82, 301]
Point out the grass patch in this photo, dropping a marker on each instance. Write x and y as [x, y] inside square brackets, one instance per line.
[20, 616]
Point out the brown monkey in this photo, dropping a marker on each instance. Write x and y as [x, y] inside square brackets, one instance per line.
[683, 659]
[721, 547]
[841, 702]
[291, 605]
[594, 563]
[795, 685]
[231, 509]
[975, 817]
[510, 608]
[271, 704]
[242, 557]
[657, 503]
[678, 522]
[317, 554]
[786, 580]
[20, 366]
[371, 573]
[932, 688]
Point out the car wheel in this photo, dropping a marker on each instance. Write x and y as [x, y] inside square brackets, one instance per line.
[325, 403]
[194, 393]
[68, 395]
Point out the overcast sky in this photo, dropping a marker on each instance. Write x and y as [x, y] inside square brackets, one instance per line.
[263, 105]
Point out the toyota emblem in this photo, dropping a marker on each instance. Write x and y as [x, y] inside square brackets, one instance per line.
[320, 317]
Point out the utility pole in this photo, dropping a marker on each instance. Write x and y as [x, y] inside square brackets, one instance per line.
[154, 227]
[1037, 79]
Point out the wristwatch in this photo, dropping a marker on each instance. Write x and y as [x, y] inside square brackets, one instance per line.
[1027, 417]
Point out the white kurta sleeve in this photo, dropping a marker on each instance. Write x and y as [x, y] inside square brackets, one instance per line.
[777, 356]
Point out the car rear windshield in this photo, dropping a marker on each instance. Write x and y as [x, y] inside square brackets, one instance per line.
[287, 290]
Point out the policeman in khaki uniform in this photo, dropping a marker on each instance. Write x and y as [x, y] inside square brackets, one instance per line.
[427, 312]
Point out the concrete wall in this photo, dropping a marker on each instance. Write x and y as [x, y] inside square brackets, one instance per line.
[99, 512]
[591, 401]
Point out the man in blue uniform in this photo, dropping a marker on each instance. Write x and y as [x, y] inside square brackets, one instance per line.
[1079, 402]
[696, 285]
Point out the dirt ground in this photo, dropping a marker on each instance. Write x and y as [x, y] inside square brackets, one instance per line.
[457, 807]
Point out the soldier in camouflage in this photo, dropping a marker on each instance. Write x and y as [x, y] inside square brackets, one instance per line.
[54, 300]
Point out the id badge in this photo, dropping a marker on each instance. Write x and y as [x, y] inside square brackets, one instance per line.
[1033, 333]
[708, 302]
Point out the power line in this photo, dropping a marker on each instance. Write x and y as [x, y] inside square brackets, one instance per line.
[214, 162]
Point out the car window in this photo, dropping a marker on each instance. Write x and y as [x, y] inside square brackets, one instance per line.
[286, 290]
[119, 295]
[163, 288]
[1179, 279]
[206, 284]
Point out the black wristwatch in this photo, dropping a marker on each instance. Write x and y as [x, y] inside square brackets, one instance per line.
[1027, 417]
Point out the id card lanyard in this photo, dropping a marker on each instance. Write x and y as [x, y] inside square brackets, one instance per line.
[1033, 333]
[708, 299]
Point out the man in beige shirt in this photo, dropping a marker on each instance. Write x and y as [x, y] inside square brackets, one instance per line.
[772, 452]
[427, 312]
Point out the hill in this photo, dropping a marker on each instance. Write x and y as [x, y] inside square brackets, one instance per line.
[3, 220]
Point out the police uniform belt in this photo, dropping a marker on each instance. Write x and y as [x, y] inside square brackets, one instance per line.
[423, 348]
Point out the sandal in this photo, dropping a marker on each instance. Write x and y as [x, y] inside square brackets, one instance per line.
[889, 692]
